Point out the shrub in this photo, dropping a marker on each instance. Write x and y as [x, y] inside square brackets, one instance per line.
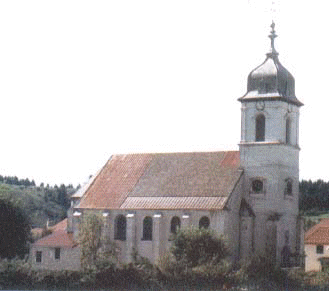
[58, 279]
[194, 247]
[141, 272]
[196, 255]
[15, 272]
[259, 267]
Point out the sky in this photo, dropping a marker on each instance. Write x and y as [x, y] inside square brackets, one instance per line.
[83, 80]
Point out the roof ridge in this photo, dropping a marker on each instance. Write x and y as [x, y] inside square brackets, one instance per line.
[175, 152]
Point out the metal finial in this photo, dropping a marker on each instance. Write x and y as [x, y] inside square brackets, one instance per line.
[272, 36]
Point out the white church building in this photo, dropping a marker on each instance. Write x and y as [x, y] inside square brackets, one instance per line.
[250, 196]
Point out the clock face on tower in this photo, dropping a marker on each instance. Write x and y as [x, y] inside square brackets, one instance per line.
[260, 105]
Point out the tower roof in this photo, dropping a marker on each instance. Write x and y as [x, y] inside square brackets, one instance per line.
[271, 80]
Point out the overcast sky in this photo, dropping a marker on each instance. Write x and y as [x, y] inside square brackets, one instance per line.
[82, 80]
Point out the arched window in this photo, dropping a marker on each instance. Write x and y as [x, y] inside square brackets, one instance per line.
[120, 227]
[174, 225]
[204, 222]
[147, 228]
[288, 189]
[260, 128]
[288, 131]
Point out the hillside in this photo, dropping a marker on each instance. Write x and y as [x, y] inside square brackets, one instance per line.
[40, 203]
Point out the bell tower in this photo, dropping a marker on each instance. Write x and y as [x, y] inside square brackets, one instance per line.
[269, 154]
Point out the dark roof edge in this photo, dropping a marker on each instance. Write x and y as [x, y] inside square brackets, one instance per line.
[234, 187]
[275, 98]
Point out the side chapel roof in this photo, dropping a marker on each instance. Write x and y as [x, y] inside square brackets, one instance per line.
[164, 181]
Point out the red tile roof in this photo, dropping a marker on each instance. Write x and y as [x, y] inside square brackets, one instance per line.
[168, 203]
[62, 225]
[59, 237]
[318, 234]
[165, 181]
[115, 181]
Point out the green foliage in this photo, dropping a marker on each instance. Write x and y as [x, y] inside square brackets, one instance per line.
[97, 251]
[314, 195]
[259, 267]
[39, 203]
[196, 255]
[15, 272]
[59, 280]
[194, 247]
[90, 233]
[15, 181]
[142, 272]
[14, 229]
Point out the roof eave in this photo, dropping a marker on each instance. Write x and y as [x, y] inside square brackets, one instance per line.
[269, 96]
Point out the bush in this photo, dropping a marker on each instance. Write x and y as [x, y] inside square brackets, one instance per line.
[141, 272]
[55, 279]
[194, 247]
[259, 267]
[15, 272]
[197, 255]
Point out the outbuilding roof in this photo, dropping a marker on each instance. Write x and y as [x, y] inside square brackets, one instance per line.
[59, 238]
[318, 234]
[201, 180]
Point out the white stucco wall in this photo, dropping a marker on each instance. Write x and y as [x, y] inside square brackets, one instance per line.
[276, 113]
[161, 234]
[312, 262]
[274, 162]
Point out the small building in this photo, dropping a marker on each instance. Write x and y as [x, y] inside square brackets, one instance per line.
[316, 246]
[57, 251]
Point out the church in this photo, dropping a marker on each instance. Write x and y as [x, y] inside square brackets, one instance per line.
[249, 196]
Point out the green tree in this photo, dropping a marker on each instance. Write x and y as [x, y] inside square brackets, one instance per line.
[96, 250]
[196, 254]
[15, 230]
[195, 247]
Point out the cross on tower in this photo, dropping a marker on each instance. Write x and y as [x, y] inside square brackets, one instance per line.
[272, 36]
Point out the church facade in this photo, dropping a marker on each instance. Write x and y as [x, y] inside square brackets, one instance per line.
[249, 196]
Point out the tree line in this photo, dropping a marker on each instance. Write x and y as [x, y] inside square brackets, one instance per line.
[40, 203]
[23, 206]
[313, 196]
[13, 180]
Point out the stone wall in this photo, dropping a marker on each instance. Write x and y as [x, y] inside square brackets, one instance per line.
[69, 259]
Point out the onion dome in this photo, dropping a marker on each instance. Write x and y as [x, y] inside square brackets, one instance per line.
[271, 80]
